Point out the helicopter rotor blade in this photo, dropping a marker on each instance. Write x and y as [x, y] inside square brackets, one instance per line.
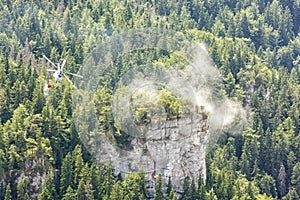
[50, 61]
[63, 64]
[68, 79]
[51, 70]
[74, 74]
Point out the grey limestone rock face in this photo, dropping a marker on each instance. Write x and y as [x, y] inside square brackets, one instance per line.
[173, 148]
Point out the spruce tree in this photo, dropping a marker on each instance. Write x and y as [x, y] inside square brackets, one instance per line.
[296, 177]
[158, 189]
[78, 165]
[169, 187]
[201, 189]
[48, 191]
[291, 195]
[117, 192]
[66, 179]
[69, 194]
[8, 192]
[193, 191]
[22, 193]
[186, 188]
[81, 190]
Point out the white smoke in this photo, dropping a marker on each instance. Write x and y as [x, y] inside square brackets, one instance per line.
[206, 90]
[225, 115]
[200, 83]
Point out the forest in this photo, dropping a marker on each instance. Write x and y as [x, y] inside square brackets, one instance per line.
[255, 44]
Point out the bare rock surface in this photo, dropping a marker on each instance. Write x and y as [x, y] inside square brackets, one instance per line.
[173, 148]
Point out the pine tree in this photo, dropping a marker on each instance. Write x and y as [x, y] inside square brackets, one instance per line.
[38, 99]
[8, 193]
[135, 186]
[67, 24]
[245, 26]
[2, 190]
[292, 195]
[78, 165]
[209, 172]
[158, 189]
[22, 190]
[186, 188]
[193, 191]
[295, 179]
[96, 180]
[108, 179]
[250, 152]
[267, 185]
[143, 185]
[69, 194]
[250, 191]
[117, 192]
[81, 190]
[286, 26]
[172, 196]
[66, 180]
[211, 195]
[291, 161]
[169, 187]
[201, 189]
[48, 191]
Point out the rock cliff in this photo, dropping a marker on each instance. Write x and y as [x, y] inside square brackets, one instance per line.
[173, 148]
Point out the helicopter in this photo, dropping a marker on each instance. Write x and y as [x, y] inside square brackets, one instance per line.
[58, 72]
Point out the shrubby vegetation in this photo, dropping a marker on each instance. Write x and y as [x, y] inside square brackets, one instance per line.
[255, 44]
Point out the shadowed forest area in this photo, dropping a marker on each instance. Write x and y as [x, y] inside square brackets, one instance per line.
[254, 44]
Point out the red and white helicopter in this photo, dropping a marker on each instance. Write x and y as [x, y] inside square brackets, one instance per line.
[58, 72]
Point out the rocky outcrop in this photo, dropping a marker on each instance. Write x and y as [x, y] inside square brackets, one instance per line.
[35, 172]
[173, 148]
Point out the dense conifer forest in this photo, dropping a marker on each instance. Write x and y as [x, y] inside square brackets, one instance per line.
[254, 44]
